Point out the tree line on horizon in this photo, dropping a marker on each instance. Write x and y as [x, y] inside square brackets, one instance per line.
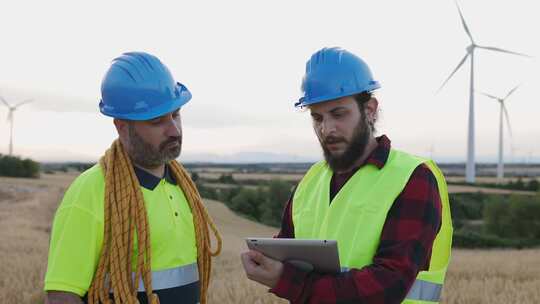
[14, 166]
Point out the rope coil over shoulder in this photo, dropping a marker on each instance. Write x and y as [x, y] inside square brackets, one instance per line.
[125, 218]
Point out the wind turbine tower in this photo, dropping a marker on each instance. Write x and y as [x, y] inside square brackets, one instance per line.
[503, 112]
[11, 110]
[470, 170]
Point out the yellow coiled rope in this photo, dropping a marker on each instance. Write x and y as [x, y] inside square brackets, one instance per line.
[125, 216]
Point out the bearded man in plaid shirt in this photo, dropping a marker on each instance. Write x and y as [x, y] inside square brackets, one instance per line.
[387, 209]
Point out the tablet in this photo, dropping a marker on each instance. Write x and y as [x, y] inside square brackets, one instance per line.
[318, 255]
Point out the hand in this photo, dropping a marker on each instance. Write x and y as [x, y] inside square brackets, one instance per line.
[261, 268]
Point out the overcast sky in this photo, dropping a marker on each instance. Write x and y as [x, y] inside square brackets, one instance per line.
[244, 60]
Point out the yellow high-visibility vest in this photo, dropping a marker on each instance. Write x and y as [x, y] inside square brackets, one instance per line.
[358, 212]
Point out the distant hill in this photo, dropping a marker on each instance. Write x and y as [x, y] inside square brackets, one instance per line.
[246, 157]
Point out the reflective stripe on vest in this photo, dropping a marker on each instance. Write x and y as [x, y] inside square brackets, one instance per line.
[425, 291]
[173, 277]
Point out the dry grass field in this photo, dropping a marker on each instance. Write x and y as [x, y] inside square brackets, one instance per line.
[27, 207]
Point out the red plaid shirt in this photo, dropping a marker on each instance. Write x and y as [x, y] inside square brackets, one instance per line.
[405, 246]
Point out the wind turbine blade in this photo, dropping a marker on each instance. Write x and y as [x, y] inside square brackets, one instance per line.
[491, 48]
[507, 120]
[488, 95]
[454, 71]
[23, 102]
[511, 91]
[464, 24]
[10, 115]
[5, 102]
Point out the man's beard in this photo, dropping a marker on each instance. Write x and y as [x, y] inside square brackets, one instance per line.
[354, 150]
[146, 156]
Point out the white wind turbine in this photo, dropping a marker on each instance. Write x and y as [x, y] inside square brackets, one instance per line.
[10, 116]
[503, 111]
[470, 173]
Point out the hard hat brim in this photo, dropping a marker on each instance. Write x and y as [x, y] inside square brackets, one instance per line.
[303, 102]
[164, 108]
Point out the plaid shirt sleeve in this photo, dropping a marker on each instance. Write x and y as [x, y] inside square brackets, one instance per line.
[405, 248]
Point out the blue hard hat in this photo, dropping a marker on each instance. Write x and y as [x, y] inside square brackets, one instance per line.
[333, 73]
[138, 86]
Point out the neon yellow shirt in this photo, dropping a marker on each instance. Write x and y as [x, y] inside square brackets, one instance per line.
[77, 232]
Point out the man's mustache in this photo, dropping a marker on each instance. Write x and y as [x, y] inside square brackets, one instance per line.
[333, 140]
[171, 140]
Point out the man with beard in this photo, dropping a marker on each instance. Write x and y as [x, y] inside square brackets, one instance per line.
[133, 229]
[388, 210]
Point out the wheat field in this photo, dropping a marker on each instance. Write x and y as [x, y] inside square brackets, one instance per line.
[27, 207]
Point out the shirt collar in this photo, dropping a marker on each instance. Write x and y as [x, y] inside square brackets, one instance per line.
[150, 181]
[379, 156]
